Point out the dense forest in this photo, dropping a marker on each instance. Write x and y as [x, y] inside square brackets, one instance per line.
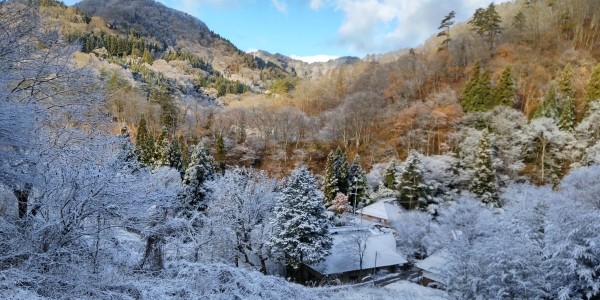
[136, 164]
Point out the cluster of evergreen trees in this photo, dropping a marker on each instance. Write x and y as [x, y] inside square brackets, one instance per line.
[194, 60]
[480, 95]
[116, 45]
[164, 151]
[221, 84]
[341, 178]
[559, 102]
[414, 191]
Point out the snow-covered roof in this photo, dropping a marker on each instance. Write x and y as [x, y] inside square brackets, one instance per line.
[383, 209]
[380, 251]
[436, 265]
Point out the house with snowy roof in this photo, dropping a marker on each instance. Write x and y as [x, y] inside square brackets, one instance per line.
[434, 268]
[357, 252]
[381, 212]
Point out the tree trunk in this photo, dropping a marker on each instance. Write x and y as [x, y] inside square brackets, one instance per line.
[22, 199]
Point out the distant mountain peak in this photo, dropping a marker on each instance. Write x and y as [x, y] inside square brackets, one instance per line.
[151, 19]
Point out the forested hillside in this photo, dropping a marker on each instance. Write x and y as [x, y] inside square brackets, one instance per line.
[139, 161]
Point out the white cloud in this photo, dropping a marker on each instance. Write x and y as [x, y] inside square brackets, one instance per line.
[281, 6]
[315, 4]
[251, 50]
[384, 25]
[314, 58]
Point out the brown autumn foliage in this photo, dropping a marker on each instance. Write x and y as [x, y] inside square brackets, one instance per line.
[383, 107]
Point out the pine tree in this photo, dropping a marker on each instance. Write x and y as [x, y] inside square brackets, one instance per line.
[519, 21]
[414, 192]
[549, 108]
[483, 93]
[445, 27]
[504, 93]
[199, 170]
[300, 228]
[389, 175]
[477, 95]
[220, 153]
[483, 184]
[144, 143]
[468, 95]
[175, 157]
[161, 151]
[336, 175]
[330, 186]
[593, 87]
[486, 23]
[358, 187]
[566, 92]
[342, 166]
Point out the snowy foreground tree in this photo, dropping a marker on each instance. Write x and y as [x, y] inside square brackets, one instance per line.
[543, 246]
[300, 228]
[87, 221]
[238, 217]
[200, 170]
[414, 191]
[484, 183]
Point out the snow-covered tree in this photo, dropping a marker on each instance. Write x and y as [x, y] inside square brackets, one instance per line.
[199, 170]
[239, 214]
[548, 147]
[340, 204]
[358, 187]
[414, 191]
[483, 183]
[300, 227]
[389, 175]
[174, 156]
[336, 175]
[587, 135]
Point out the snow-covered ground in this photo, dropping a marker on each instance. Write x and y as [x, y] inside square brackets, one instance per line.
[399, 290]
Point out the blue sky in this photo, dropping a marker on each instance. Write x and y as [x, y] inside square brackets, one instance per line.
[315, 30]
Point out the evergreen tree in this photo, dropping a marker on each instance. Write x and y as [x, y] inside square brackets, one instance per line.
[483, 93]
[486, 23]
[414, 192]
[566, 92]
[148, 56]
[504, 93]
[199, 170]
[220, 153]
[549, 108]
[468, 95]
[593, 87]
[358, 187]
[336, 175]
[144, 143]
[389, 175]
[300, 228]
[519, 21]
[330, 186]
[483, 183]
[341, 162]
[445, 27]
[477, 95]
[175, 157]
[161, 151]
